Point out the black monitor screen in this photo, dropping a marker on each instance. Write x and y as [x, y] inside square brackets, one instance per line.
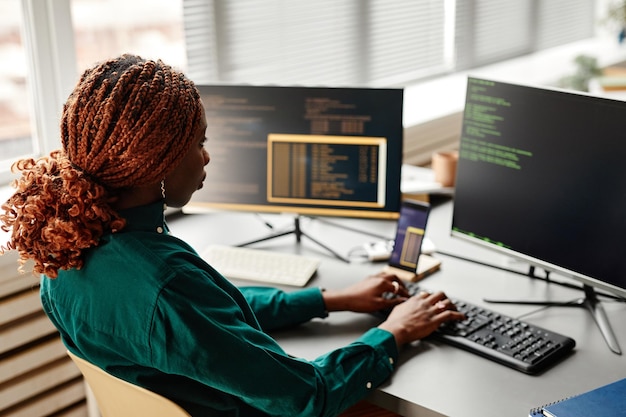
[542, 176]
[305, 150]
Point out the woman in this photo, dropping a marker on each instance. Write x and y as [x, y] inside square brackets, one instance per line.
[140, 303]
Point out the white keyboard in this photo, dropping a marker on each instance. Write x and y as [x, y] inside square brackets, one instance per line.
[261, 265]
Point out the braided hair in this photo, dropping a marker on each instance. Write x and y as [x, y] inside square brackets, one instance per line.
[128, 122]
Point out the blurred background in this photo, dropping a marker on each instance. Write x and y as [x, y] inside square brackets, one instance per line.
[420, 45]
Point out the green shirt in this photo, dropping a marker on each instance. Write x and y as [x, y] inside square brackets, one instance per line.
[146, 308]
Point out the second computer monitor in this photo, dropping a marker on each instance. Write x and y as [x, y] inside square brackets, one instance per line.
[541, 177]
[303, 150]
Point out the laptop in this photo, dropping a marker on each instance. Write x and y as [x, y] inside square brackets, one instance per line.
[407, 260]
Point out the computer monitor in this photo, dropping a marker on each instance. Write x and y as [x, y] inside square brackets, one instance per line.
[541, 177]
[304, 150]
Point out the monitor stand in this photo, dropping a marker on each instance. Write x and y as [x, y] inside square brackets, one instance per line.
[590, 302]
[297, 230]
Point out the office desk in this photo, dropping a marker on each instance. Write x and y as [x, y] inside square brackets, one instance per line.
[434, 379]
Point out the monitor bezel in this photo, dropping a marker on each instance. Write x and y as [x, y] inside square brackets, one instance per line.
[547, 266]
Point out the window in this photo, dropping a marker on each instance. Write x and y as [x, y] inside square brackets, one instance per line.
[152, 29]
[488, 31]
[16, 138]
[369, 42]
[326, 42]
[45, 44]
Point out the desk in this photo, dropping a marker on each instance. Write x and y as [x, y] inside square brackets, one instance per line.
[434, 379]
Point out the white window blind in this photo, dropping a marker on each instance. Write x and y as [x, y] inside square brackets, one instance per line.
[407, 40]
[200, 39]
[293, 41]
[488, 31]
[325, 42]
[503, 29]
[563, 21]
[369, 42]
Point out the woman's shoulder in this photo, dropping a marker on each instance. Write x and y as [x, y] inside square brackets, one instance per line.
[152, 255]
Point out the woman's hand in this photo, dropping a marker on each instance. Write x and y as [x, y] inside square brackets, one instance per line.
[419, 316]
[367, 295]
[412, 318]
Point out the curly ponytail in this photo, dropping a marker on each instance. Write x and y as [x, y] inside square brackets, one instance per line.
[128, 122]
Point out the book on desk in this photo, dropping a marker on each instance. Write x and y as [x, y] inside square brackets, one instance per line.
[605, 401]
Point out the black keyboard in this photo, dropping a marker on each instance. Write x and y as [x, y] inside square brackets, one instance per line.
[509, 341]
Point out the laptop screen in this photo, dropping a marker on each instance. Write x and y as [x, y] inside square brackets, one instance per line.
[409, 235]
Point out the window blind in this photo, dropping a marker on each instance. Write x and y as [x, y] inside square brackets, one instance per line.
[563, 21]
[407, 40]
[369, 42]
[488, 31]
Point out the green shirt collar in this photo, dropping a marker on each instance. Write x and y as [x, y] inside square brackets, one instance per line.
[149, 218]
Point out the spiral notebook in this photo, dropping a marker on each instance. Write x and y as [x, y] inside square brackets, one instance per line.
[606, 401]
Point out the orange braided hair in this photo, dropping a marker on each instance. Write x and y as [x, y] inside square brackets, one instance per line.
[128, 123]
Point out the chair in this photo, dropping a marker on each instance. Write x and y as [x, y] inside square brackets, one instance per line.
[118, 398]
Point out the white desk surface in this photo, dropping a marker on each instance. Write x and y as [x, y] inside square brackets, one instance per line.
[434, 379]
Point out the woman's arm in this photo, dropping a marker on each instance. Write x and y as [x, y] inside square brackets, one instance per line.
[275, 309]
[278, 309]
